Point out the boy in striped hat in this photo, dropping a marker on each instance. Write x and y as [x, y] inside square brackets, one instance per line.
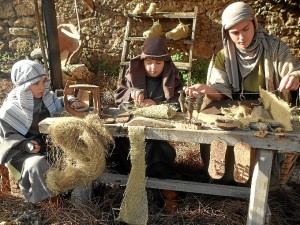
[21, 144]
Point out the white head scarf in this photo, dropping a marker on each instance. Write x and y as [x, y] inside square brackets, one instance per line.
[17, 109]
[240, 62]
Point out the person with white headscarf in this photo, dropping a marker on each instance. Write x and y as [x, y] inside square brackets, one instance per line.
[250, 58]
[21, 144]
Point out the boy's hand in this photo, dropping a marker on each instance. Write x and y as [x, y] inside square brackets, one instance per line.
[147, 102]
[289, 83]
[194, 90]
[137, 95]
[36, 148]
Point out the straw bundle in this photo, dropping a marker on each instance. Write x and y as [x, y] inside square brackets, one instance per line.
[138, 9]
[163, 111]
[134, 207]
[84, 144]
[179, 32]
[154, 31]
[279, 109]
[152, 9]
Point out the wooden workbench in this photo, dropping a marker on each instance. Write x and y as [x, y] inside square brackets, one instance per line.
[258, 193]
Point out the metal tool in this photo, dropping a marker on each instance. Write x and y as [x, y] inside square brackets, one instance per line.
[190, 107]
[116, 111]
[199, 102]
[181, 100]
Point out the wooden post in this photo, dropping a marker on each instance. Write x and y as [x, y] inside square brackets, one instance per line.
[258, 203]
[42, 45]
[53, 45]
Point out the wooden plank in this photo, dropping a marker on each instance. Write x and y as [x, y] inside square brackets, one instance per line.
[260, 188]
[180, 185]
[182, 41]
[180, 65]
[124, 51]
[169, 15]
[289, 143]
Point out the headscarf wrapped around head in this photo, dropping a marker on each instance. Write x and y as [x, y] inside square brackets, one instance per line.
[240, 62]
[236, 13]
[17, 109]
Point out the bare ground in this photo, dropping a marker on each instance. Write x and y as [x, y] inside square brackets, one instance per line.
[192, 208]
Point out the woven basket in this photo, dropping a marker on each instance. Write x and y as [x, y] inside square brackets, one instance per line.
[287, 167]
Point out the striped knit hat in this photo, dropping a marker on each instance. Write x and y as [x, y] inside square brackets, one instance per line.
[17, 109]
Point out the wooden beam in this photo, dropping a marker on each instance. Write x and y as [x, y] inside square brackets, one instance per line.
[180, 185]
[49, 12]
[290, 143]
[258, 204]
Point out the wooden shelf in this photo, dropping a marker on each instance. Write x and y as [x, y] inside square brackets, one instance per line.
[189, 42]
[167, 15]
[182, 41]
[179, 65]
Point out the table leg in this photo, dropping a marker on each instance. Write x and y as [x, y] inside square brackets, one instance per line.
[260, 187]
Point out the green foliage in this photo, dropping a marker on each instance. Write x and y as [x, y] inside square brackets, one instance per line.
[177, 57]
[199, 70]
[98, 65]
[5, 57]
[107, 69]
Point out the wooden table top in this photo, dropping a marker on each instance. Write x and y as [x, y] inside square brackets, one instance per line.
[287, 142]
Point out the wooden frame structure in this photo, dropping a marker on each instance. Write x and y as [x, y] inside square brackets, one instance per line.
[190, 16]
[258, 212]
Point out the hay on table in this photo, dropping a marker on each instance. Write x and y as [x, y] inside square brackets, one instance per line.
[163, 111]
[279, 109]
[84, 144]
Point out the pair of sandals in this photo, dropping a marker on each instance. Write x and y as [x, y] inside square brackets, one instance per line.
[242, 160]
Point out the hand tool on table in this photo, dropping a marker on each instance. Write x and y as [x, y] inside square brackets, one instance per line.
[119, 114]
[181, 100]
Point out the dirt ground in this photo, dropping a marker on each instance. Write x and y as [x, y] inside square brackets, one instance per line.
[193, 209]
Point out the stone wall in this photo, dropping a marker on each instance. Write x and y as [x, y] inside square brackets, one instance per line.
[102, 31]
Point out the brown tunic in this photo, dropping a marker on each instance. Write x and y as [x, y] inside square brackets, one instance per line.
[163, 88]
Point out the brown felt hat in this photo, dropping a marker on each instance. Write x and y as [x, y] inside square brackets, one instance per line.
[155, 48]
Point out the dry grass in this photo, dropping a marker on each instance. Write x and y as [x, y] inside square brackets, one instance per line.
[192, 208]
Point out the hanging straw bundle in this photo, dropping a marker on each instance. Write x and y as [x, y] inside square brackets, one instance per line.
[138, 9]
[152, 9]
[154, 31]
[84, 144]
[179, 32]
